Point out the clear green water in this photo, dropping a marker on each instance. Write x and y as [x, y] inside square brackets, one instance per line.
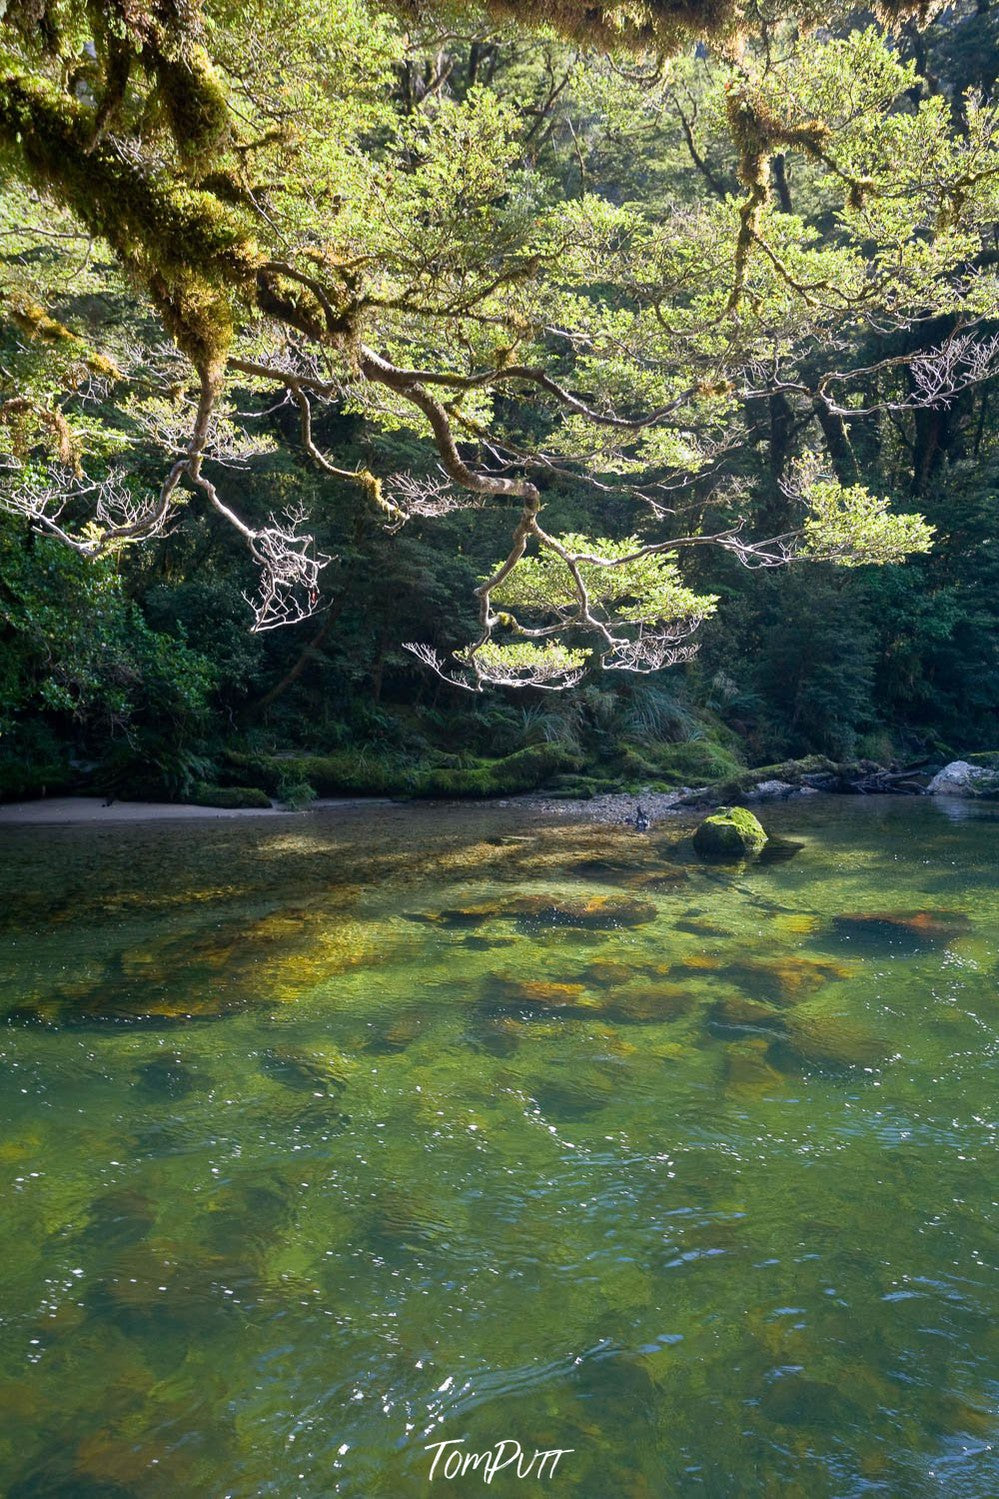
[706, 1196]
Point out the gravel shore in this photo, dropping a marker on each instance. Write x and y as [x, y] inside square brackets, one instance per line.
[616, 807]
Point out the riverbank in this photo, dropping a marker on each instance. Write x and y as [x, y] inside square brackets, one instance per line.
[75, 810]
[789, 780]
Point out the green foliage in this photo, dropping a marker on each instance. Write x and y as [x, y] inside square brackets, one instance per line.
[362, 773]
[723, 267]
[83, 667]
[655, 711]
[230, 797]
[695, 763]
[851, 527]
[522, 662]
[295, 794]
[152, 766]
[35, 761]
[355, 772]
[640, 590]
[527, 770]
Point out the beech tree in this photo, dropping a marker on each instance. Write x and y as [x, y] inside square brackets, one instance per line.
[296, 200]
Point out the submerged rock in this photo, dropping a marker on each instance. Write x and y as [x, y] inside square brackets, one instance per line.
[909, 929]
[635, 872]
[597, 911]
[460, 916]
[118, 1219]
[166, 1076]
[486, 944]
[797, 922]
[786, 980]
[664, 877]
[572, 1092]
[649, 1004]
[747, 1069]
[499, 1035]
[148, 1004]
[779, 850]
[606, 870]
[505, 995]
[823, 1035]
[399, 1032]
[57, 1477]
[304, 1071]
[740, 1012]
[619, 994]
[403, 1221]
[206, 974]
[700, 926]
[150, 1291]
[606, 971]
[247, 1216]
[730, 833]
[796, 1400]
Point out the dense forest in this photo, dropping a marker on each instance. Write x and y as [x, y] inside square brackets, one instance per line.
[722, 312]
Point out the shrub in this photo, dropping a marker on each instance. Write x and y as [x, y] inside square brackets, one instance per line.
[230, 797]
[296, 794]
[526, 770]
[696, 762]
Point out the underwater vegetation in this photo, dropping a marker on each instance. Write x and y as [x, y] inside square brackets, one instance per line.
[488, 1126]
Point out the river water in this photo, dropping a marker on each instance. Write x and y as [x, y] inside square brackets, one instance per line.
[328, 1138]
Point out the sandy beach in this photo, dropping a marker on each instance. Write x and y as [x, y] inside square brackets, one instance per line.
[86, 809]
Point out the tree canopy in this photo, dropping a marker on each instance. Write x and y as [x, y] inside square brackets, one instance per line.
[595, 253]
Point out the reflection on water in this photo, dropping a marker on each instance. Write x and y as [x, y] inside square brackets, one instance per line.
[327, 1142]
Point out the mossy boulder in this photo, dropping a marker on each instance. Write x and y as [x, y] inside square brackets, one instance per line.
[231, 797]
[345, 773]
[578, 787]
[987, 758]
[730, 833]
[962, 778]
[527, 769]
[359, 772]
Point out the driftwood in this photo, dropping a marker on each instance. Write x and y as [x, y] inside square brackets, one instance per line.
[896, 782]
[869, 779]
[854, 778]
